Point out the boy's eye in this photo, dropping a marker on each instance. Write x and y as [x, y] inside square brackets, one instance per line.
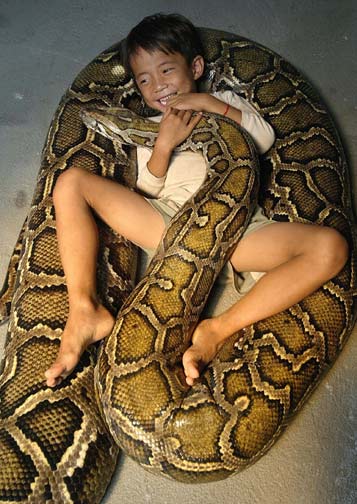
[167, 69]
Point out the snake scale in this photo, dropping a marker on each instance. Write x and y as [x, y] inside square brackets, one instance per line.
[61, 445]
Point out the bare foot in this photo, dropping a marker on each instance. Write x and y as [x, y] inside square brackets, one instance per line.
[85, 325]
[206, 341]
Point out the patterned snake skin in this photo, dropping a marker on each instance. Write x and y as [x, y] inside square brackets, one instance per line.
[60, 445]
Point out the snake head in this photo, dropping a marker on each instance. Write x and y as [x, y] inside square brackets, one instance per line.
[121, 125]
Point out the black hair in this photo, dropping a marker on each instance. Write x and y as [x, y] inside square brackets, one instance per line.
[170, 33]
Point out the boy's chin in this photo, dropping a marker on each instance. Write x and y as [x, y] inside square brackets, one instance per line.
[160, 108]
[157, 107]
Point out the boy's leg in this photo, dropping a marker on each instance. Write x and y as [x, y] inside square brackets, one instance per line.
[297, 259]
[128, 213]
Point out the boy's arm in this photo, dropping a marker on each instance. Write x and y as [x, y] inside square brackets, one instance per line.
[159, 160]
[233, 106]
[205, 102]
[175, 127]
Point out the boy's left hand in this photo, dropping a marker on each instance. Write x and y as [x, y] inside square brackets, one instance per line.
[203, 102]
[189, 101]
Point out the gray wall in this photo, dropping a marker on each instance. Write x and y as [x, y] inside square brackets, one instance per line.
[43, 45]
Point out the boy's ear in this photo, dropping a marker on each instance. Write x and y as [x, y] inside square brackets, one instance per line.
[197, 65]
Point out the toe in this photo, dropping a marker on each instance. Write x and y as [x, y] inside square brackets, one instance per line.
[55, 374]
[192, 369]
[190, 363]
[190, 381]
[55, 370]
[61, 368]
[53, 382]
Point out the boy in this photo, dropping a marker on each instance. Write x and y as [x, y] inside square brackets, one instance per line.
[165, 56]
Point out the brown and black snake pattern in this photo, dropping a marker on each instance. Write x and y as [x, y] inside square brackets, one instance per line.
[60, 445]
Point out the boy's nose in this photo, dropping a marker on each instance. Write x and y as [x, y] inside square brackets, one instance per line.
[159, 85]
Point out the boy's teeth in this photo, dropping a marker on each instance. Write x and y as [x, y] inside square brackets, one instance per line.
[163, 101]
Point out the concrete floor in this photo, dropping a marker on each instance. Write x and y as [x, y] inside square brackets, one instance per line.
[43, 45]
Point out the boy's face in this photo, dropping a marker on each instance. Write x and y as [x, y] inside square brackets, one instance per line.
[159, 75]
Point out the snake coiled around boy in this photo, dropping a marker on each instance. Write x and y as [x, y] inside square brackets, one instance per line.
[56, 446]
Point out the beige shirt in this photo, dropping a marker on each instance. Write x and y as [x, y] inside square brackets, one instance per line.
[187, 170]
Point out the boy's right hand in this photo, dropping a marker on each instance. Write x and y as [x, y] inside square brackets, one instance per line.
[175, 127]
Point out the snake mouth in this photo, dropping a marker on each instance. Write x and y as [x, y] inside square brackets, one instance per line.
[97, 124]
[88, 120]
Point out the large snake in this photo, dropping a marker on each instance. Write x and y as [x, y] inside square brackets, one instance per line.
[61, 445]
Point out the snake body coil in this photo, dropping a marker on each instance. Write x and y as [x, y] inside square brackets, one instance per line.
[54, 443]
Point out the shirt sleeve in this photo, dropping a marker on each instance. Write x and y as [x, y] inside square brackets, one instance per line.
[148, 183]
[259, 129]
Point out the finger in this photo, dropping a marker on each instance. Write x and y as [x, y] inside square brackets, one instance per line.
[196, 118]
[181, 113]
[172, 111]
[167, 112]
[180, 106]
[188, 116]
[177, 97]
[172, 99]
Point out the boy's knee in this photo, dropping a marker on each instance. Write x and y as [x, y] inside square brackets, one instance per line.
[332, 250]
[67, 182]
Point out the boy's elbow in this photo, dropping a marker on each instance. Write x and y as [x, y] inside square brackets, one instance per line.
[260, 130]
[272, 137]
[268, 141]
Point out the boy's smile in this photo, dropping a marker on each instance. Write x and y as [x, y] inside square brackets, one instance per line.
[159, 75]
